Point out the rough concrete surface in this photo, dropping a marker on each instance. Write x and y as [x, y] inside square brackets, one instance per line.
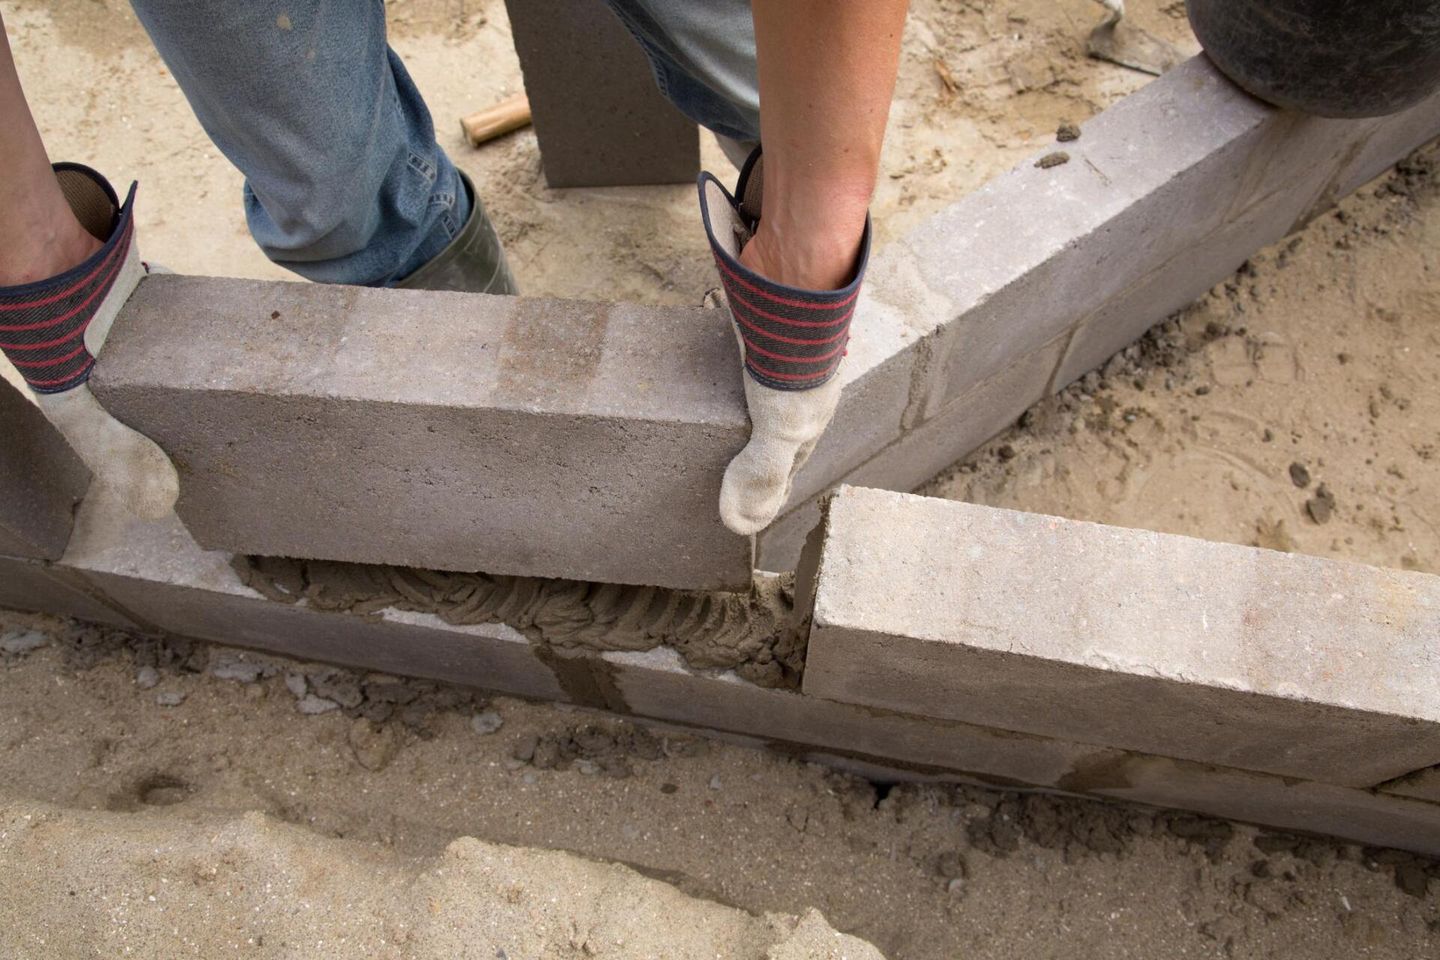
[41, 480]
[1166, 645]
[598, 117]
[529, 437]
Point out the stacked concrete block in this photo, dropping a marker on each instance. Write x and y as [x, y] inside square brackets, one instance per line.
[1165, 194]
[1422, 785]
[166, 583]
[1158, 644]
[42, 588]
[599, 118]
[450, 431]
[41, 480]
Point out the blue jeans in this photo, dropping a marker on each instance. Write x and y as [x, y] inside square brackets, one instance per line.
[344, 180]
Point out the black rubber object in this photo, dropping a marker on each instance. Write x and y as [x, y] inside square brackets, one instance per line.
[1335, 58]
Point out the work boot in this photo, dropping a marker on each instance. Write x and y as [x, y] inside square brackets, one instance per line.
[474, 261]
[52, 330]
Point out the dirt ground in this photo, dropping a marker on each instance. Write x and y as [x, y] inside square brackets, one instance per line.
[1323, 354]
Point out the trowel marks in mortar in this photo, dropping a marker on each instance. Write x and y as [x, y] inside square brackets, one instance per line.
[756, 633]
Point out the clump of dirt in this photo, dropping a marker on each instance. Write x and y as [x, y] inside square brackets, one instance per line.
[601, 748]
[757, 634]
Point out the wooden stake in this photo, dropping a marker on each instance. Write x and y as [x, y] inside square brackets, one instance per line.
[507, 115]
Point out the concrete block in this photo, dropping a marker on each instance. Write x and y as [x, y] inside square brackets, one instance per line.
[1358, 815]
[657, 684]
[1173, 285]
[919, 454]
[1392, 138]
[441, 430]
[599, 117]
[39, 587]
[1159, 644]
[1189, 156]
[41, 480]
[1421, 785]
[156, 572]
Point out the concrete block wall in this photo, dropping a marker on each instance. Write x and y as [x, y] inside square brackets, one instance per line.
[152, 575]
[598, 116]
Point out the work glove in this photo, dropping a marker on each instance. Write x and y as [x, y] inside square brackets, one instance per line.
[51, 330]
[791, 340]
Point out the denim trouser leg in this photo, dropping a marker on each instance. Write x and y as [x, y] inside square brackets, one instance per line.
[703, 56]
[344, 180]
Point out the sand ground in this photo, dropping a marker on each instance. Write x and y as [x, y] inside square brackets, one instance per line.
[261, 830]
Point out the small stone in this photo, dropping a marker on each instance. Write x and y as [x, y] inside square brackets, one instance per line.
[1412, 879]
[170, 698]
[588, 767]
[1053, 160]
[236, 670]
[715, 782]
[1321, 506]
[1299, 475]
[147, 677]
[523, 749]
[668, 788]
[295, 683]
[313, 705]
[486, 723]
[20, 642]
[1067, 132]
[1006, 452]
[956, 887]
[341, 687]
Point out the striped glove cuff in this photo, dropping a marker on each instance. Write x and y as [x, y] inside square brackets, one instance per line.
[794, 339]
[42, 324]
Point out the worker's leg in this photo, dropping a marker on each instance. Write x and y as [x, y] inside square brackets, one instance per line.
[703, 55]
[68, 261]
[344, 180]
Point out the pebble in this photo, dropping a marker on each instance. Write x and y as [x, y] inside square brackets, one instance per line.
[1067, 132]
[295, 683]
[313, 705]
[588, 767]
[147, 677]
[1053, 160]
[170, 698]
[236, 671]
[715, 782]
[20, 642]
[486, 723]
[1299, 475]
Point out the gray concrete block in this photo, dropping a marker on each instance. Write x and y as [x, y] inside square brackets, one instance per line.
[918, 455]
[155, 571]
[1358, 815]
[442, 430]
[599, 117]
[1188, 276]
[657, 684]
[1159, 644]
[1392, 138]
[39, 587]
[1421, 785]
[41, 480]
[1186, 158]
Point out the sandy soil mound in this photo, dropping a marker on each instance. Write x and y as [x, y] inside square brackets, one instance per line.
[157, 884]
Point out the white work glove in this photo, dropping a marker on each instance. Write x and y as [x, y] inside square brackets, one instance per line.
[791, 340]
[54, 328]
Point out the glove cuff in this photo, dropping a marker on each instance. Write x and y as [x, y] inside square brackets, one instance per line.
[794, 339]
[43, 324]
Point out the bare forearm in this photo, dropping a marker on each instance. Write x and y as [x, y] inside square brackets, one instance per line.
[827, 74]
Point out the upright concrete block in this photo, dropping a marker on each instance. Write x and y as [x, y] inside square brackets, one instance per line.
[1159, 644]
[442, 430]
[155, 572]
[599, 117]
[41, 480]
